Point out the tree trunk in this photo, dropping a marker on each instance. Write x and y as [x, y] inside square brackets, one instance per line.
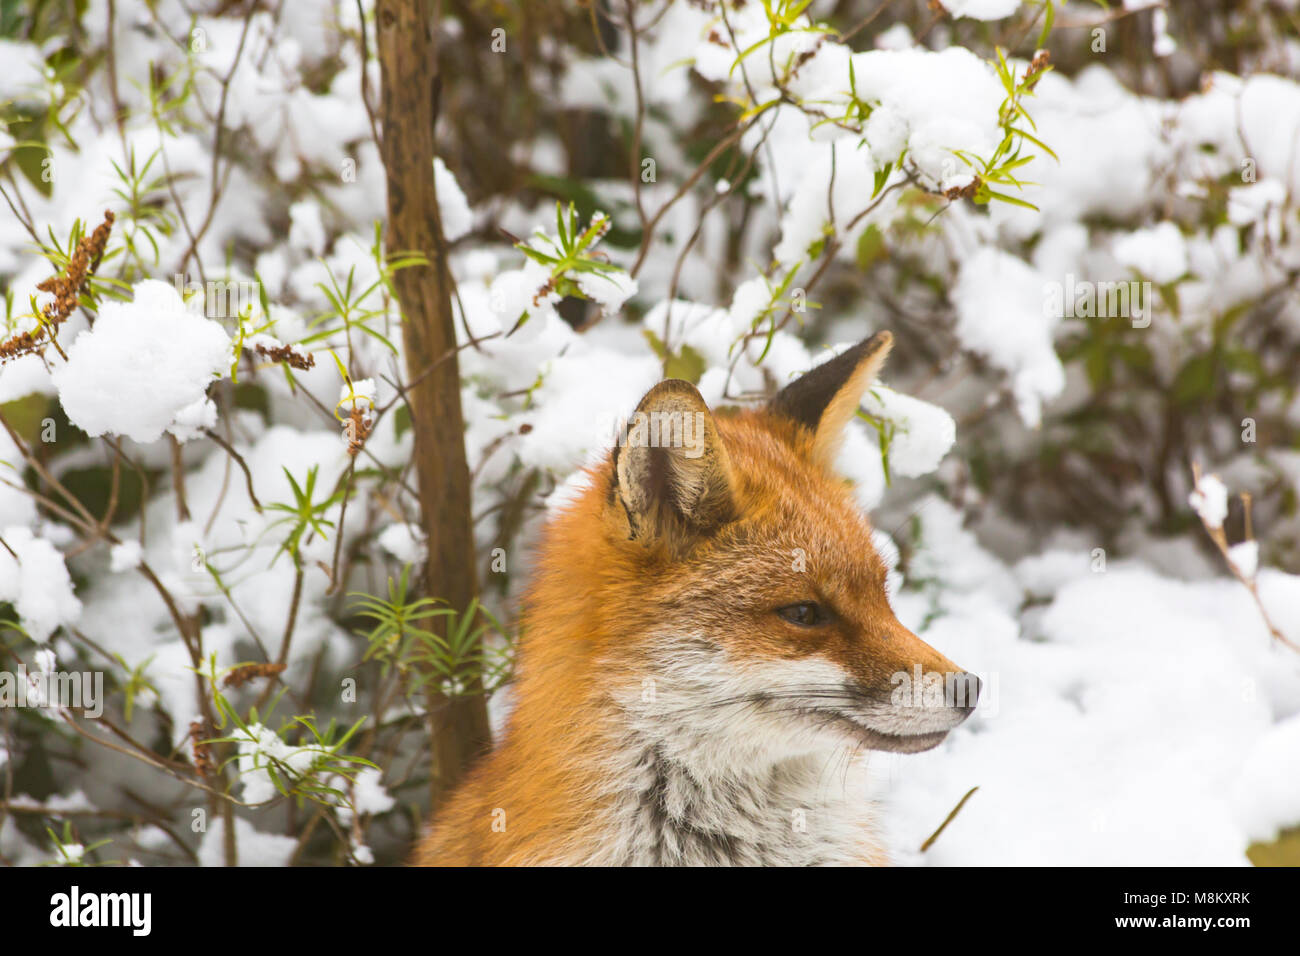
[409, 64]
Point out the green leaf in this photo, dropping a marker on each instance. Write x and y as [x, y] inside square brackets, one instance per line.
[1047, 26]
[871, 247]
[401, 420]
[1037, 142]
[1195, 380]
[1003, 197]
[688, 364]
[882, 177]
[1097, 365]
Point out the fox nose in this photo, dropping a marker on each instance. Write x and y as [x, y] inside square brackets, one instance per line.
[968, 693]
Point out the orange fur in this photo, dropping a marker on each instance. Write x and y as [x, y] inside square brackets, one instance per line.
[601, 596]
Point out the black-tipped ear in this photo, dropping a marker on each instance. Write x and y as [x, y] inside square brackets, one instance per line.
[671, 469]
[826, 398]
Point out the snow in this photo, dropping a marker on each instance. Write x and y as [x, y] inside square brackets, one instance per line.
[608, 290]
[358, 395]
[807, 216]
[16, 507]
[1259, 202]
[1000, 315]
[125, 556]
[36, 583]
[144, 368]
[947, 100]
[1085, 747]
[583, 396]
[26, 375]
[1109, 147]
[1245, 558]
[405, 542]
[45, 660]
[369, 797]
[364, 855]
[1159, 253]
[521, 292]
[898, 36]
[457, 220]
[191, 421]
[1264, 794]
[982, 9]
[71, 853]
[254, 847]
[1162, 44]
[24, 73]
[76, 801]
[306, 231]
[921, 433]
[263, 752]
[1209, 499]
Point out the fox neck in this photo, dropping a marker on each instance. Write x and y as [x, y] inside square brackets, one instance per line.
[783, 814]
[688, 781]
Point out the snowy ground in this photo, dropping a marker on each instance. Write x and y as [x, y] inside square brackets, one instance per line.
[1128, 717]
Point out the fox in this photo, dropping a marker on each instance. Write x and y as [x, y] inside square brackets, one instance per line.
[708, 653]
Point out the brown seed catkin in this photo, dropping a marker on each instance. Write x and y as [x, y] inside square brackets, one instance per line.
[287, 354]
[241, 675]
[66, 288]
[202, 752]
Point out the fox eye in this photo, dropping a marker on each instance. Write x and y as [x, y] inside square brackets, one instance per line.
[805, 614]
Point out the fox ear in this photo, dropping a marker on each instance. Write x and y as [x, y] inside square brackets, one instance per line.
[671, 470]
[826, 398]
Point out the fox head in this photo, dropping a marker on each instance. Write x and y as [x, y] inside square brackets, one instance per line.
[725, 581]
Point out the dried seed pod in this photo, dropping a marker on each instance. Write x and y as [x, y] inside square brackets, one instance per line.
[288, 354]
[1041, 61]
[357, 427]
[963, 192]
[66, 289]
[202, 752]
[241, 675]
